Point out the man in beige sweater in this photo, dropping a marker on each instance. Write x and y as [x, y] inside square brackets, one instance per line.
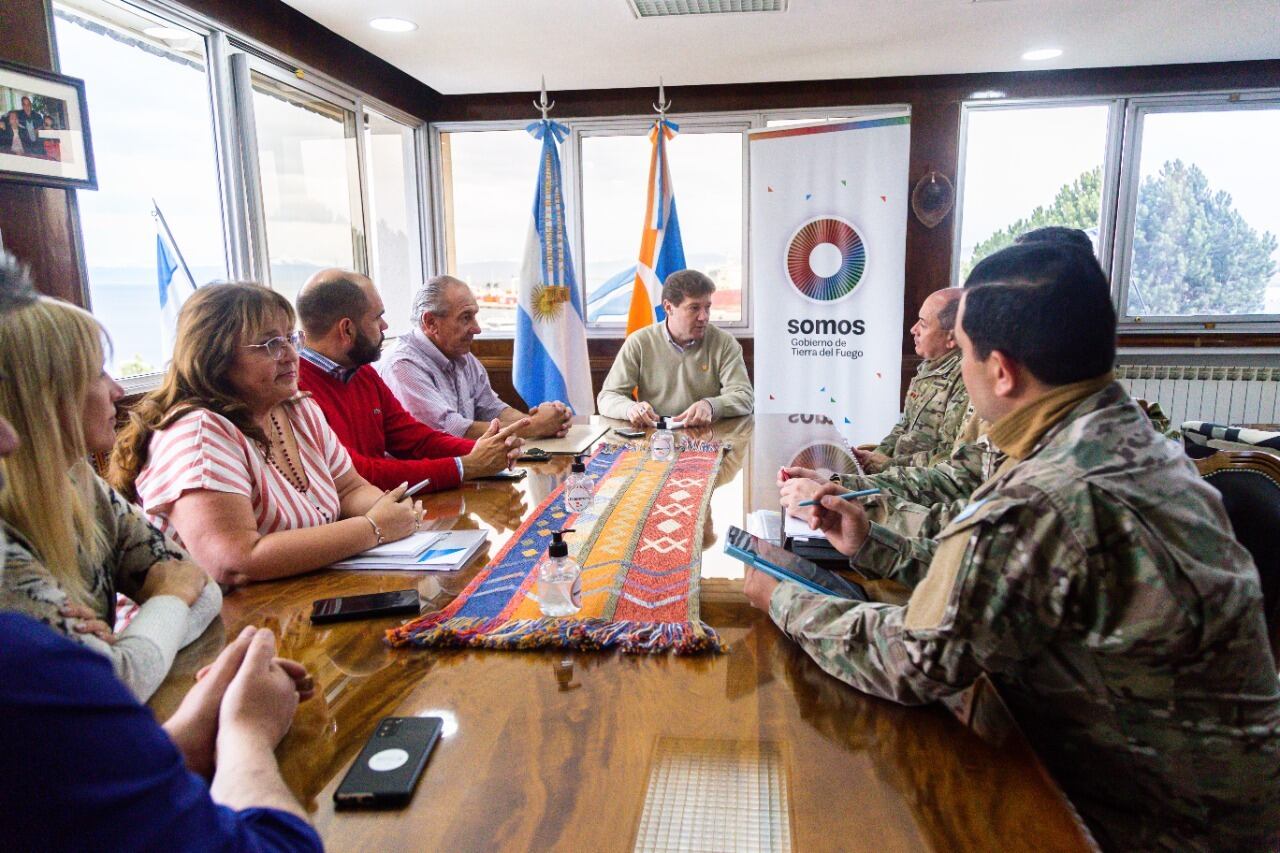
[682, 367]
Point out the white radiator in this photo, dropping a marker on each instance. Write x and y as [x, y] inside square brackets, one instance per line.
[1223, 395]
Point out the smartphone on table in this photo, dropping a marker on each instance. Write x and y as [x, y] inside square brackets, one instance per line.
[512, 476]
[400, 602]
[387, 770]
[629, 433]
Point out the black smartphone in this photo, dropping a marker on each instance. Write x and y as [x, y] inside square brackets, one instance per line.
[629, 433]
[398, 602]
[534, 454]
[784, 565]
[506, 476]
[387, 769]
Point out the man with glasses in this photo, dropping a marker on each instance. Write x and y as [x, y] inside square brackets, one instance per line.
[681, 367]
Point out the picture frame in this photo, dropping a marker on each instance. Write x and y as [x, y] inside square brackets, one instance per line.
[44, 129]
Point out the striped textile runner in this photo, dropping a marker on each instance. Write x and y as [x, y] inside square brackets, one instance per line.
[640, 548]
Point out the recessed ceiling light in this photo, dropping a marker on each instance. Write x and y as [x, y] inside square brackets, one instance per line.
[986, 94]
[393, 25]
[166, 32]
[1042, 53]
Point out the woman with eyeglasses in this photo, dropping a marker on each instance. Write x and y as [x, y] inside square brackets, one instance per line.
[72, 541]
[240, 468]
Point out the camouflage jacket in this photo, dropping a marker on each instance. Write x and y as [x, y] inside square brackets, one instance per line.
[919, 501]
[1098, 584]
[935, 409]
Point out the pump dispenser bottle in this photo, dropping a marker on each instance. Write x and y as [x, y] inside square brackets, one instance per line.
[559, 579]
[578, 487]
[662, 446]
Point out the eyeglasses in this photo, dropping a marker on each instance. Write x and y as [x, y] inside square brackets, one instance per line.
[275, 346]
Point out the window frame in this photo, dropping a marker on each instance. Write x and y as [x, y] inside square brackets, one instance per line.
[1137, 108]
[234, 145]
[1121, 178]
[630, 124]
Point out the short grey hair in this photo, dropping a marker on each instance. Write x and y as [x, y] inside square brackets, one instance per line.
[16, 289]
[682, 283]
[431, 297]
[950, 308]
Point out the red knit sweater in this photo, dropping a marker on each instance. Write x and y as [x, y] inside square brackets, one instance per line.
[387, 445]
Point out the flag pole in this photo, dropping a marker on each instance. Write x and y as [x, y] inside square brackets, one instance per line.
[155, 211]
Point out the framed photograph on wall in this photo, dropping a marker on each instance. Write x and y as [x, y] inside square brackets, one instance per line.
[44, 129]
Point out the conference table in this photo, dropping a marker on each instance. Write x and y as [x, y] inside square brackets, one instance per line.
[753, 749]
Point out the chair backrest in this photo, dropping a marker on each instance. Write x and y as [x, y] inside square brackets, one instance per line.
[1201, 438]
[1249, 482]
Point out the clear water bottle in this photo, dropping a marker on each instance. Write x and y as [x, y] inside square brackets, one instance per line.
[578, 487]
[559, 579]
[662, 446]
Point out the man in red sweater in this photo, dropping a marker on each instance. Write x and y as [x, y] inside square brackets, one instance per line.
[341, 314]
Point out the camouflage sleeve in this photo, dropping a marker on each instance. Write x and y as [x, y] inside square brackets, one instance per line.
[890, 443]
[913, 520]
[894, 556]
[937, 444]
[995, 595]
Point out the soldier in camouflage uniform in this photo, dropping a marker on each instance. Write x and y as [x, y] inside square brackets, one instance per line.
[936, 400]
[1094, 579]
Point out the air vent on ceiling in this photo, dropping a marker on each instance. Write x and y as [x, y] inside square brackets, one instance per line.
[670, 8]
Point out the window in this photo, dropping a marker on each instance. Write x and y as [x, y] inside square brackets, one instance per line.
[488, 179]
[153, 140]
[707, 177]
[1029, 166]
[395, 229]
[310, 185]
[1202, 228]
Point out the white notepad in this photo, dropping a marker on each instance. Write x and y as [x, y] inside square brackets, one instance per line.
[446, 552]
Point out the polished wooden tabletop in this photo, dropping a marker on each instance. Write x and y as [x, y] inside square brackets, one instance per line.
[552, 750]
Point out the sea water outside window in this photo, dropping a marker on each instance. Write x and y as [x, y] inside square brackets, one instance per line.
[148, 96]
[487, 180]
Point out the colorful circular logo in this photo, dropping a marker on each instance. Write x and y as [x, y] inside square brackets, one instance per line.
[825, 259]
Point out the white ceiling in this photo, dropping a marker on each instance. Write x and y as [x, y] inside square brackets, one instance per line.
[469, 46]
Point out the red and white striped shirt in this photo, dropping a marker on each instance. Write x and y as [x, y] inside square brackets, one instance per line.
[204, 450]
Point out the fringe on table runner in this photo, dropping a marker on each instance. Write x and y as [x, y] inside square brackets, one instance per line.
[631, 637]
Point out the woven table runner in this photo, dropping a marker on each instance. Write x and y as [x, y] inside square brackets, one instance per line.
[640, 548]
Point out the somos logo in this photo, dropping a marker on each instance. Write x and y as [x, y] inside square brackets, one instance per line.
[825, 259]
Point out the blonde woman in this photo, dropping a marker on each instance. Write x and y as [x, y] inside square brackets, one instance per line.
[240, 468]
[72, 541]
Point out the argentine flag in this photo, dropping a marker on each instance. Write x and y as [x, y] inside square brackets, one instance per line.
[174, 281]
[551, 337]
[661, 250]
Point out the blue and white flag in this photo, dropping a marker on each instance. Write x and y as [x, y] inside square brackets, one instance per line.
[551, 337]
[174, 281]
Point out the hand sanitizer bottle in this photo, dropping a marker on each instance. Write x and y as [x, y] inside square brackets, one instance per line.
[578, 487]
[559, 579]
[662, 446]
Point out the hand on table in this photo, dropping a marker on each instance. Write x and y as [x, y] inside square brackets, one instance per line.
[181, 578]
[395, 515]
[699, 414]
[642, 415]
[549, 420]
[262, 695]
[871, 461]
[793, 491]
[498, 449]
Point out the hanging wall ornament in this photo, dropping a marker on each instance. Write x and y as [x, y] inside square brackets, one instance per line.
[932, 198]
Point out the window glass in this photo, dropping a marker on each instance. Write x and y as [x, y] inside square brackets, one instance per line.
[395, 243]
[1027, 167]
[488, 179]
[310, 187]
[706, 174]
[1206, 218]
[148, 98]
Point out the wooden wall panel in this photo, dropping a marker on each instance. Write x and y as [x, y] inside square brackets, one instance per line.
[38, 224]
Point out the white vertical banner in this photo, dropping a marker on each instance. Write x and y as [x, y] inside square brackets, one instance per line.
[828, 253]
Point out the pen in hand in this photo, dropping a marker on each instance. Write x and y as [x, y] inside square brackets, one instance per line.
[860, 493]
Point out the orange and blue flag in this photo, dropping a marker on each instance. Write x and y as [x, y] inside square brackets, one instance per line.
[661, 251]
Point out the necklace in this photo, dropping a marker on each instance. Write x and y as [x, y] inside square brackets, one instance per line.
[295, 477]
